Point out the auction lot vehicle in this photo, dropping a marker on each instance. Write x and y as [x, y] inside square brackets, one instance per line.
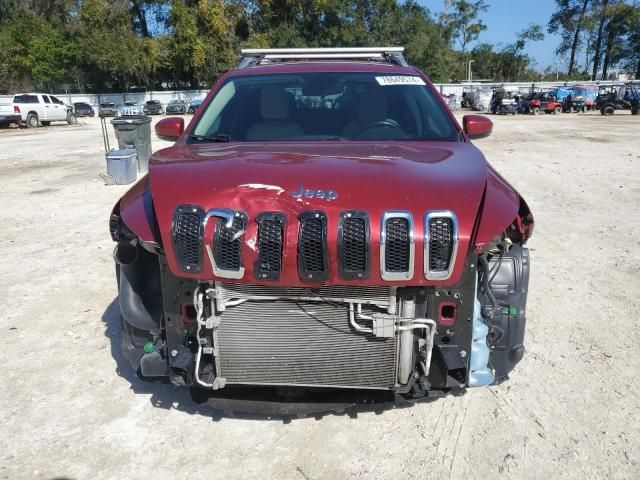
[482, 98]
[35, 109]
[153, 107]
[130, 108]
[194, 105]
[618, 97]
[107, 109]
[315, 254]
[545, 102]
[83, 109]
[503, 102]
[176, 107]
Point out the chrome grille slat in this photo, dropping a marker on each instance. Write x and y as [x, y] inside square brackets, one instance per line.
[313, 263]
[354, 245]
[227, 250]
[264, 343]
[440, 244]
[397, 248]
[186, 234]
[270, 242]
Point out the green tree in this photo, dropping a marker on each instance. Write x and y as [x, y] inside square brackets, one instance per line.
[568, 20]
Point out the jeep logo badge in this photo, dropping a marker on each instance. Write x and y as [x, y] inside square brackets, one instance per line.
[310, 193]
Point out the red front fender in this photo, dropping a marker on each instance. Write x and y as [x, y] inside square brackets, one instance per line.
[137, 212]
[501, 207]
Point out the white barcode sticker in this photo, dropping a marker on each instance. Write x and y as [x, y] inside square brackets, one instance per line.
[399, 80]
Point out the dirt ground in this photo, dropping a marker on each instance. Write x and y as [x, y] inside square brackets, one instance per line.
[71, 408]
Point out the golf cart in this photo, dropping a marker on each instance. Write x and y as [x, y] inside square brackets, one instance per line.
[504, 102]
[614, 97]
[546, 102]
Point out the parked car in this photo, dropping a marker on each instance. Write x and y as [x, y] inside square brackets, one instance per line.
[35, 109]
[249, 269]
[107, 110]
[130, 108]
[618, 97]
[194, 105]
[83, 109]
[153, 107]
[176, 107]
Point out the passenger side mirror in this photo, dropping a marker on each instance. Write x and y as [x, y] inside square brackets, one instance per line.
[170, 128]
[477, 126]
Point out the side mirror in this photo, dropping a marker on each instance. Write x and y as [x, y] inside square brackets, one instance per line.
[170, 128]
[477, 126]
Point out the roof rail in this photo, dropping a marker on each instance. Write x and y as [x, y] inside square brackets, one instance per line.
[256, 56]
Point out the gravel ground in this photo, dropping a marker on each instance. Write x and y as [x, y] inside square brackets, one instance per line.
[71, 408]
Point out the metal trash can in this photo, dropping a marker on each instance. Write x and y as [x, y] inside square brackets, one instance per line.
[121, 166]
[134, 131]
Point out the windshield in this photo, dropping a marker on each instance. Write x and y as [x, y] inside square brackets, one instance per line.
[175, 102]
[324, 106]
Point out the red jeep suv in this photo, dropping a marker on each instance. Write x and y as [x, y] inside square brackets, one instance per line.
[322, 234]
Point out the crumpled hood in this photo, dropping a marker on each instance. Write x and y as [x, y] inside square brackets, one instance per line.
[327, 176]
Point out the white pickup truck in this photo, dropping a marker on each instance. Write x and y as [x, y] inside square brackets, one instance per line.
[35, 109]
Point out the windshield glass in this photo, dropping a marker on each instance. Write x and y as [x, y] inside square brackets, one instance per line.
[324, 106]
[175, 102]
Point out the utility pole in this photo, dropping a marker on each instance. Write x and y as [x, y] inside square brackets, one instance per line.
[470, 74]
[558, 63]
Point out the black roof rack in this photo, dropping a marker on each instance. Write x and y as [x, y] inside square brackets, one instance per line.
[258, 56]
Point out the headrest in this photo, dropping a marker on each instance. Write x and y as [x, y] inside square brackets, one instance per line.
[274, 103]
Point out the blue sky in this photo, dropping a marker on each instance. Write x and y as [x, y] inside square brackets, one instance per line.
[507, 17]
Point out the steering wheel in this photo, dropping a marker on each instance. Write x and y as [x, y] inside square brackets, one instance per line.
[388, 123]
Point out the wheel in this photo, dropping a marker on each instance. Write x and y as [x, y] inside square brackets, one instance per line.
[71, 118]
[535, 110]
[634, 111]
[32, 120]
[557, 110]
[608, 110]
[584, 109]
[45, 124]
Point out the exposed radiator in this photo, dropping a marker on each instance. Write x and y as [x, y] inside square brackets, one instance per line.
[303, 343]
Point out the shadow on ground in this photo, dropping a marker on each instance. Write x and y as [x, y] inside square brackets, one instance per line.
[167, 396]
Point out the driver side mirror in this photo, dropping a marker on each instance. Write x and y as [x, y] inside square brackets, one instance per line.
[477, 126]
[170, 128]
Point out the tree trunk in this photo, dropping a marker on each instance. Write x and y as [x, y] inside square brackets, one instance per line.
[576, 37]
[598, 45]
[607, 54]
[142, 20]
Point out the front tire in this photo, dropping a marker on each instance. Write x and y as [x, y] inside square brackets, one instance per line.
[557, 110]
[32, 121]
[71, 118]
[608, 110]
[535, 110]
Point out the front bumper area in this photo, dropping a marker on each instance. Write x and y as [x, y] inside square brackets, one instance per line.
[333, 348]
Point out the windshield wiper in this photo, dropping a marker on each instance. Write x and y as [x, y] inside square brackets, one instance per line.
[213, 138]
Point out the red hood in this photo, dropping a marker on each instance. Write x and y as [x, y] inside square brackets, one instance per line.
[255, 178]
